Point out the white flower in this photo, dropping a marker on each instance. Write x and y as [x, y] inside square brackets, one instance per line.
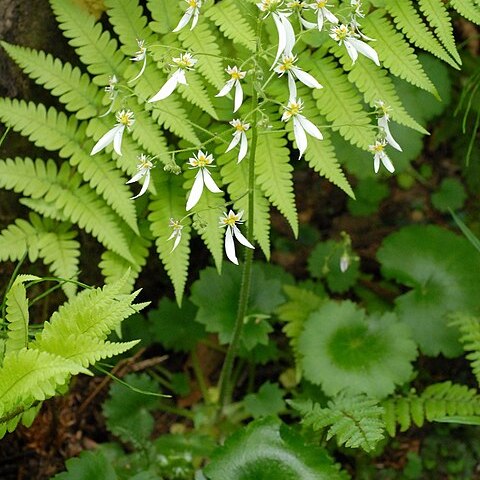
[323, 13]
[286, 35]
[143, 170]
[344, 262]
[380, 156]
[235, 76]
[176, 234]
[193, 10]
[383, 113]
[300, 124]
[230, 221]
[125, 119]
[184, 62]
[140, 56]
[344, 34]
[239, 136]
[356, 5]
[112, 93]
[297, 7]
[287, 64]
[201, 161]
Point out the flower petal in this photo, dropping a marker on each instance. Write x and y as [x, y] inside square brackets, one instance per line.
[376, 163]
[290, 34]
[178, 237]
[292, 87]
[387, 163]
[167, 88]
[230, 246]
[352, 52]
[226, 88]
[243, 147]
[139, 74]
[117, 140]
[209, 182]
[234, 142]
[383, 122]
[196, 191]
[330, 16]
[300, 136]
[105, 140]
[306, 78]
[144, 187]
[239, 236]
[195, 19]
[140, 174]
[238, 96]
[184, 20]
[364, 49]
[320, 19]
[282, 36]
[310, 127]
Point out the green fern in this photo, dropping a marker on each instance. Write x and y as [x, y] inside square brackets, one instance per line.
[468, 8]
[469, 327]
[395, 53]
[409, 21]
[437, 15]
[73, 88]
[436, 401]
[355, 420]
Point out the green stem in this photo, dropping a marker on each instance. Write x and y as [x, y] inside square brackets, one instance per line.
[225, 383]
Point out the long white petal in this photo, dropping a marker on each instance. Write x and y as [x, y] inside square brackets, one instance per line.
[238, 96]
[292, 87]
[330, 16]
[167, 89]
[320, 20]
[308, 25]
[144, 187]
[226, 88]
[300, 136]
[352, 52]
[178, 237]
[383, 122]
[184, 20]
[209, 182]
[117, 140]
[310, 127]
[105, 140]
[196, 191]
[243, 147]
[306, 78]
[234, 142]
[289, 33]
[364, 49]
[376, 163]
[181, 78]
[141, 70]
[282, 37]
[230, 246]
[387, 163]
[137, 176]
[195, 19]
[239, 236]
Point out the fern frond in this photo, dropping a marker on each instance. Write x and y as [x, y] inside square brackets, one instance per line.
[82, 349]
[438, 400]
[165, 14]
[93, 313]
[17, 239]
[76, 202]
[437, 15]
[356, 420]
[467, 8]
[233, 23]
[203, 42]
[469, 327]
[113, 266]
[294, 312]
[148, 134]
[28, 376]
[96, 49]
[394, 51]
[72, 87]
[197, 95]
[411, 24]
[274, 174]
[17, 314]
[340, 103]
[170, 203]
[235, 176]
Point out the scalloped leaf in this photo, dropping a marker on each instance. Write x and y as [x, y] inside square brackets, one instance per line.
[343, 348]
[268, 449]
[442, 272]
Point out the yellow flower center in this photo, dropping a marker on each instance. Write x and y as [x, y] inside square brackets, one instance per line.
[341, 32]
[294, 108]
[378, 147]
[192, 3]
[287, 64]
[321, 4]
[125, 117]
[230, 220]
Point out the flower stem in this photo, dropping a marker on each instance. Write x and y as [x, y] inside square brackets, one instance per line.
[225, 386]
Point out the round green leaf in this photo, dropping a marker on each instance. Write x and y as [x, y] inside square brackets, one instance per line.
[269, 450]
[342, 348]
[450, 195]
[443, 272]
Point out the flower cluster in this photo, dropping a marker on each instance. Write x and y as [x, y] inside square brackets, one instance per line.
[143, 171]
[125, 120]
[230, 221]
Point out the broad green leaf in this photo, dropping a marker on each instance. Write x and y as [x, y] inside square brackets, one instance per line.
[267, 401]
[443, 272]
[89, 465]
[267, 449]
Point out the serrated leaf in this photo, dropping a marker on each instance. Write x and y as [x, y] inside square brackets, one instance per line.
[267, 401]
